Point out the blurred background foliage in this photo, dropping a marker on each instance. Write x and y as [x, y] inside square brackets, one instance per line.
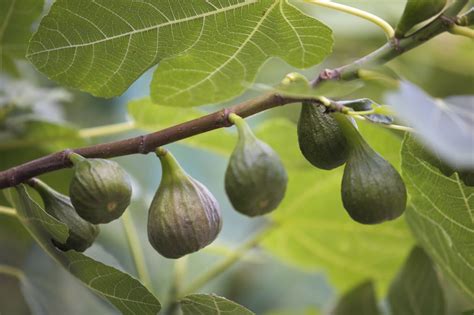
[314, 255]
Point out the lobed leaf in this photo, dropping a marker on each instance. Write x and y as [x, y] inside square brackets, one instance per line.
[441, 215]
[206, 49]
[124, 292]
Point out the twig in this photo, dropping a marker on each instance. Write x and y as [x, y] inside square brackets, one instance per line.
[135, 248]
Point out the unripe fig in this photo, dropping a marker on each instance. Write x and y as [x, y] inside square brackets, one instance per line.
[100, 190]
[417, 11]
[81, 233]
[184, 216]
[320, 138]
[255, 179]
[372, 190]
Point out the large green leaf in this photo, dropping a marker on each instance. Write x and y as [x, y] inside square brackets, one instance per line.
[120, 289]
[416, 289]
[211, 305]
[441, 215]
[316, 232]
[359, 300]
[16, 17]
[103, 46]
[151, 117]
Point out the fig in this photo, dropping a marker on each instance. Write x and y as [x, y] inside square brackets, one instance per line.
[417, 11]
[372, 189]
[100, 190]
[320, 138]
[184, 216]
[255, 179]
[81, 233]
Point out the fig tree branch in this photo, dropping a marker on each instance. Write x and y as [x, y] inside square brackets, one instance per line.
[148, 143]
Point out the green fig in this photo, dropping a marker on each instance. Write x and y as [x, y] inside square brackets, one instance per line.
[100, 190]
[372, 189]
[81, 233]
[320, 138]
[255, 179]
[184, 216]
[417, 11]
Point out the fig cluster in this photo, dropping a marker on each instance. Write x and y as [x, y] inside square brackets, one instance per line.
[99, 192]
[372, 190]
[184, 216]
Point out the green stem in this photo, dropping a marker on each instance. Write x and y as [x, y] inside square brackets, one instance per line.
[12, 271]
[227, 262]
[7, 211]
[384, 25]
[179, 273]
[75, 158]
[134, 245]
[106, 130]
[462, 31]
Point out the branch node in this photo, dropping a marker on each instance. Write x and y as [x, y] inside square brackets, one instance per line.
[224, 117]
[142, 145]
[65, 156]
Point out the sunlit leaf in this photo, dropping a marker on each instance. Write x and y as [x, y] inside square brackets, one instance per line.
[417, 279]
[211, 305]
[124, 292]
[441, 215]
[445, 127]
[218, 45]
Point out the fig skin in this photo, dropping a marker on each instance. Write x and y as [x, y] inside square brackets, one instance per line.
[100, 190]
[320, 138]
[255, 179]
[372, 190]
[184, 216]
[82, 234]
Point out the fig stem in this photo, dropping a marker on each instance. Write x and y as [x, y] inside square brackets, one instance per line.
[136, 249]
[7, 211]
[242, 126]
[353, 136]
[462, 31]
[227, 262]
[384, 25]
[170, 166]
[12, 271]
[75, 158]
